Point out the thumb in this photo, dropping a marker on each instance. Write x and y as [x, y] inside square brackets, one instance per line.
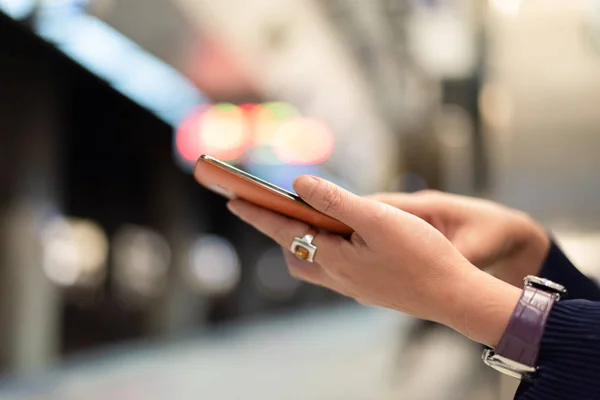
[335, 202]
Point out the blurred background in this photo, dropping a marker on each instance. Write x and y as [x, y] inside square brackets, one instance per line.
[122, 278]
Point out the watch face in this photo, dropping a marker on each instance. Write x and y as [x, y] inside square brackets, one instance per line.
[544, 283]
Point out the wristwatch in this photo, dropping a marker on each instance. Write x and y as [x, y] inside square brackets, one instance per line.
[517, 351]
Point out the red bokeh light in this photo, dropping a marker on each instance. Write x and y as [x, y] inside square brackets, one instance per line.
[187, 139]
[275, 130]
[220, 131]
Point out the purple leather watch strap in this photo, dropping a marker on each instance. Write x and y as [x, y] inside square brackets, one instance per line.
[521, 339]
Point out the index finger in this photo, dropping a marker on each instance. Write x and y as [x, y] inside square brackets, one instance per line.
[283, 230]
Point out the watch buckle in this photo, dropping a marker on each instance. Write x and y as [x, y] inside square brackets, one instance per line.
[506, 366]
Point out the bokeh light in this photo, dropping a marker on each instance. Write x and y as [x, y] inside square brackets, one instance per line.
[271, 133]
[188, 136]
[141, 259]
[303, 141]
[214, 266]
[267, 118]
[75, 252]
[223, 131]
[220, 130]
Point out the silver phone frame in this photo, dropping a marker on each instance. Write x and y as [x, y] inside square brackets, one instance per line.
[252, 178]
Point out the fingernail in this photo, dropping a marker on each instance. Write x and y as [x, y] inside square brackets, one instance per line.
[304, 184]
[232, 208]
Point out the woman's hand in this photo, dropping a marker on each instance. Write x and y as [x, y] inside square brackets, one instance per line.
[394, 259]
[506, 242]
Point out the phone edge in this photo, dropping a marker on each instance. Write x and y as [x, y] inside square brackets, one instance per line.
[252, 178]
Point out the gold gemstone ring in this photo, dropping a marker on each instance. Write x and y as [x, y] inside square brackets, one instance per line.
[303, 248]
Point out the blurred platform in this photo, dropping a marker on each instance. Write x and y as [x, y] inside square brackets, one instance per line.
[342, 353]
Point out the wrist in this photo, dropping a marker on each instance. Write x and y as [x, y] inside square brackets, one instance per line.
[485, 308]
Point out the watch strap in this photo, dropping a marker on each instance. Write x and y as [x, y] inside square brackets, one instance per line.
[521, 339]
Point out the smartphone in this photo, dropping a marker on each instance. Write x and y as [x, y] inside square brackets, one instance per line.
[232, 182]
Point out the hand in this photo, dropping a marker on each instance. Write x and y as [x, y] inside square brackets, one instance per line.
[503, 241]
[394, 259]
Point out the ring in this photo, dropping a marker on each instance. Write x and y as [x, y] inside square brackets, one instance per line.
[303, 248]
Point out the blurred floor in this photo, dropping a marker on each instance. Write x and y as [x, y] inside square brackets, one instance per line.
[343, 353]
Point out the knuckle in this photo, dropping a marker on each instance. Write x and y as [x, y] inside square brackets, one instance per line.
[429, 193]
[332, 199]
[381, 214]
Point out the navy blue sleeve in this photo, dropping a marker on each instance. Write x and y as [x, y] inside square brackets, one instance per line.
[569, 361]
